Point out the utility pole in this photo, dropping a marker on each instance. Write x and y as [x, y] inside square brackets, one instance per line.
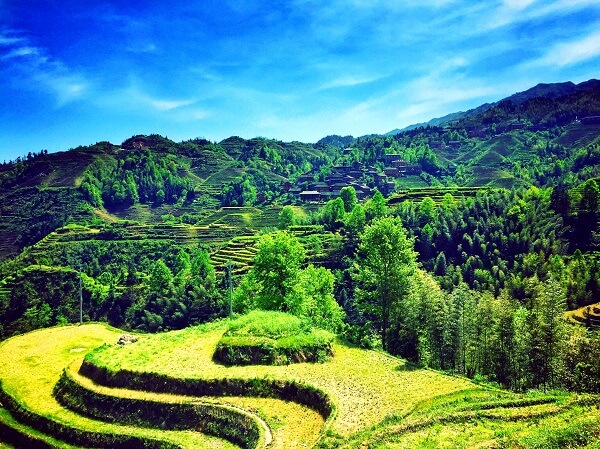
[229, 267]
[80, 301]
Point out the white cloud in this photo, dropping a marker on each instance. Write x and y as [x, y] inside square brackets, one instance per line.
[518, 4]
[6, 41]
[143, 48]
[519, 11]
[168, 105]
[573, 52]
[21, 52]
[40, 71]
[350, 81]
[199, 114]
[64, 86]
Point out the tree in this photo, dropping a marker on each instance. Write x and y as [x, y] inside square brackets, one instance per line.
[590, 198]
[547, 330]
[318, 302]
[387, 262]
[333, 212]
[161, 279]
[426, 211]
[355, 220]
[348, 196]
[376, 207]
[276, 271]
[201, 294]
[440, 265]
[276, 282]
[286, 217]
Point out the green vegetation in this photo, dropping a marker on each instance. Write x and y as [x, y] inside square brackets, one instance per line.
[37, 360]
[272, 338]
[276, 282]
[483, 262]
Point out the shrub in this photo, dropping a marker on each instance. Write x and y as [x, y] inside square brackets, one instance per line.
[272, 338]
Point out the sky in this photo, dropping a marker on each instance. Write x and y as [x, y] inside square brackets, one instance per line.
[75, 72]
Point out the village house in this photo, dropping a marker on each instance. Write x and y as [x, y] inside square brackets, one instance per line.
[388, 159]
[310, 195]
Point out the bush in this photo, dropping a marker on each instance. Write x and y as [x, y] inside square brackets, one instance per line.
[272, 338]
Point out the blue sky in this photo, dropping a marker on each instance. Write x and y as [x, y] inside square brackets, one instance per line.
[77, 71]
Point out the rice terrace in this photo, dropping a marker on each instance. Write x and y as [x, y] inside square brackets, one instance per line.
[367, 398]
[300, 224]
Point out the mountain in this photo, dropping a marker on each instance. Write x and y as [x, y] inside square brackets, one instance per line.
[336, 141]
[552, 91]
[547, 91]
[530, 138]
[144, 179]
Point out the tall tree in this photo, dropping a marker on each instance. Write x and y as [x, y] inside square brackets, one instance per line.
[348, 196]
[286, 217]
[547, 330]
[276, 270]
[355, 221]
[376, 206]
[387, 260]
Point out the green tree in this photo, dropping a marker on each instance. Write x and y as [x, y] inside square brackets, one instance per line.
[276, 270]
[356, 220]
[333, 212]
[590, 197]
[547, 330]
[426, 211]
[286, 217]
[161, 279]
[376, 206]
[318, 302]
[204, 302]
[348, 196]
[387, 261]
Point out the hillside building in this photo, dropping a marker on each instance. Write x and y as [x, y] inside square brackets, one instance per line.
[310, 195]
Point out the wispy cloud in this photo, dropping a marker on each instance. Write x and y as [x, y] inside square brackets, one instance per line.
[8, 41]
[523, 11]
[350, 80]
[137, 96]
[40, 71]
[143, 48]
[168, 105]
[23, 51]
[572, 52]
[518, 4]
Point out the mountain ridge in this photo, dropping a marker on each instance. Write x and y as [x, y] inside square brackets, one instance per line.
[541, 90]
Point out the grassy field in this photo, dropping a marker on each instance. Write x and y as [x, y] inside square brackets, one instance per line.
[366, 385]
[32, 363]
[382, 402]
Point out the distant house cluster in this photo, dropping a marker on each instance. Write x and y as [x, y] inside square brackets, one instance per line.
[356, 176]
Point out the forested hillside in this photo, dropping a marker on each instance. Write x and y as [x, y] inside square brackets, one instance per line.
[494, 216]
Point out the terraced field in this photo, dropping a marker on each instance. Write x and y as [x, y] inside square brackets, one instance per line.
[435, 193]
[588, 315]
[213, 235]
[239, 251]
[358, 399]
[251, 217]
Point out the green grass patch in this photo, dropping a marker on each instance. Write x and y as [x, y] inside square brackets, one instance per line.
[272, 338]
